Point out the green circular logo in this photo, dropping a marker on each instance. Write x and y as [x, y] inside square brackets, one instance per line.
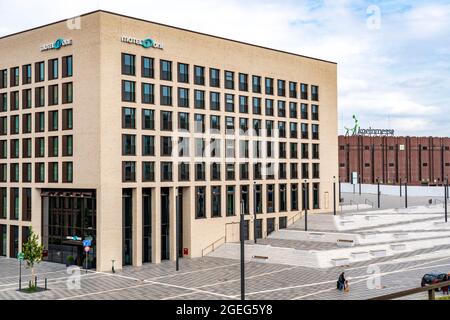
[58, 43]
[147, 43]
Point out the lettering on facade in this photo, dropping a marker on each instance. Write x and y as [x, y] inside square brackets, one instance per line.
[357, 131]
[58, 44]
[146, 43]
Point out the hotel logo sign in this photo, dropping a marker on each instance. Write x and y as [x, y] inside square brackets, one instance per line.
[58, 44]
[357, 131]
[146, 43]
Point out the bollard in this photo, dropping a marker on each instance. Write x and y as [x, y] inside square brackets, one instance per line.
[35, 281]
[45, 283]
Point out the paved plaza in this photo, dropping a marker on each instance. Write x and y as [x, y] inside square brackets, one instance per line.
[414, 242]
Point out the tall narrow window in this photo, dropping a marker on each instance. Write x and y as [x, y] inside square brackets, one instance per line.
[39, 71]
[128, 64]
[67, 92]
[166, 70]
[183, 73]
[128, 91]
[67, 66]
[216, 195]
[148, 69]
[200, 202]
[52, 69]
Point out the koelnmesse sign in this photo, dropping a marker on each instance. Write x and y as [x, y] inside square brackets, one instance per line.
[58, 44]
[357, 131]
[145, 43]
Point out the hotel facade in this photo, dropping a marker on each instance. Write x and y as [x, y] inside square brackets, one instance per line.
[105, 119]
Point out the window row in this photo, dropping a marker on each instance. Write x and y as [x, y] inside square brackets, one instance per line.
[39, 72]
[53, 147]
[39, 97]
[261, 171]
[53, 122]
[14, 208]
[216, 148]
[231, 80]
[281, 109]
[183, 123]
[39, 172]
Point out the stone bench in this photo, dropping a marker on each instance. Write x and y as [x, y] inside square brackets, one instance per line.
[260, 257]
[344, 243]
[340, 262]
[378, 253]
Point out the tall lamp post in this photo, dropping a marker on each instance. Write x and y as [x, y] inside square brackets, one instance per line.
[378, 183]
[334, 195]
[445, 200]
[406, 193]
[177, 229]
[306, 206]
[400, 187]
[254, 211]
[241, 226]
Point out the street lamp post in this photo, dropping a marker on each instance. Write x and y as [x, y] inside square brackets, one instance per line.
[445, 195]
[400, 184]
[254, 211]
[378, 182]
[177, 227]
[242, 252]
[306, 206]
[406, 194]
[359, 180]
[334, 195]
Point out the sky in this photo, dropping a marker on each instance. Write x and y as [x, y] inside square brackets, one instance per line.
[393, 56]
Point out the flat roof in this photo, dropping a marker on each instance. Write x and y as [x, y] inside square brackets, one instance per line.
[169, 26]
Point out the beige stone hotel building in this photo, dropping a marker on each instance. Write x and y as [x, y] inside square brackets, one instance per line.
[104, 119]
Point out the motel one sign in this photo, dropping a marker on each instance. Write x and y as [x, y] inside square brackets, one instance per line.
[145, 43]
[58, 44]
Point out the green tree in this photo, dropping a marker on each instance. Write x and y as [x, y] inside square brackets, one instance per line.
[33, 252]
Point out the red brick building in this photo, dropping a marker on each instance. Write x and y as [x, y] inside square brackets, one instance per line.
[417, 160]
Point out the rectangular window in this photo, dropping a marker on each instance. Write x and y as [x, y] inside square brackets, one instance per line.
[304, 91]
[148, 145]
[67, 172]
[3, 203]
[166, 120]
[148, 93]
[26, 172]
[314, 112]
[315, 151]
[53, 146]
[52, 69]
[183, 121]
[26, 99]
[14, 147]
[230, 201]
[26, 74]
[128, 145]
[39, 172]
[214, 100]
[67, 142]
[166, 70]
[294, 171]
[269, 107]
[183, 97]
[147, 67]
[53, 98]
[314, 93]
[183, 171]
[294, 197]
[216, 195]
[293, 110]
[230, 175]
[67, 66]
[304, 111]
[166, 146]
[215, 171]
[292, 89]
[26, 123]
[166, 171]
[315, 131]
[39, 97]
[243, 171]
[305, 171]
[128, 91]
[199, 102]
[281, 108]
[67, 119]
[229, 102]
[281, 88]
[315, 171]
[39, 71]
[53, 172]
[14, 204]
[200, 200]
[3, 102]
[3, 172]
[215, 124]
[256, 105]
[183, 73]
[214, 77]
[148, 119]
[128, 171]
[199, 75]
[39, 147]
[14, 100]
[3, 79]
[256, 84]
[283, 202]
[14, 123]
[3, 149]
[243, 104]
[67, 92]
[200, 171]
[148, 171]
[304, 128]
[128, 64]
[183, 146]
[128, 118]
[14, 77]
[166, 95]
[39, 122]
[53, 120]
[269, 86]
[229, 80]
[199, 123]
[243, 82]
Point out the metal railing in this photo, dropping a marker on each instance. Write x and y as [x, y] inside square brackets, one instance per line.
[299, 215]
[367, 201]
[437, 201]
[213, 246]
[431, 292]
